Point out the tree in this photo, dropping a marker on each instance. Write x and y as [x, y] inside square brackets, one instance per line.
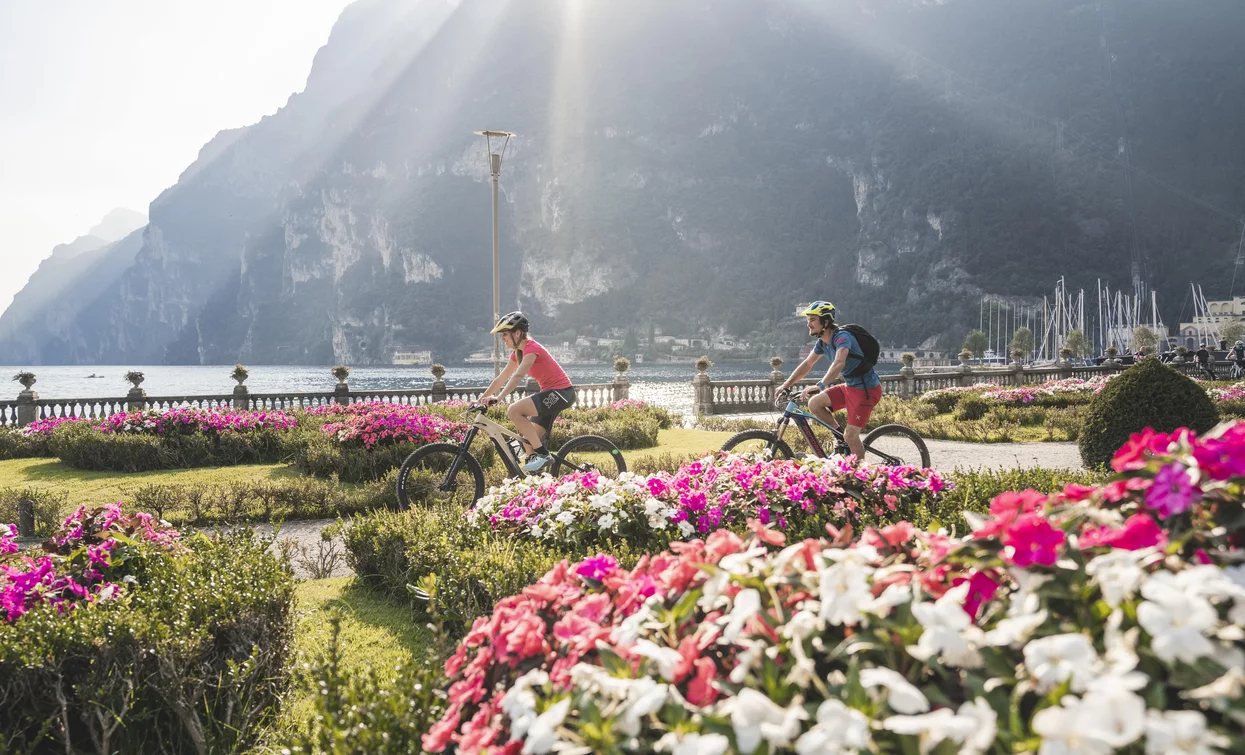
[977, 342]
[1022, 341]
[1143, 336]
[1233, 332]
[1078, 344]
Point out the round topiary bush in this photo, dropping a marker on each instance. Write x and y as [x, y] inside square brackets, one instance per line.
[1148, 394]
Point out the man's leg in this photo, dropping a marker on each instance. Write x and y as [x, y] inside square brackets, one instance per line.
[518, 412]
[852, 436]
[859, 404]
[822, 406]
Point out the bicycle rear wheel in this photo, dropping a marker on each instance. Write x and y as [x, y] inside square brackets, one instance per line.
[896, 445]
[758, 442]
[424, 478]
[589, 453]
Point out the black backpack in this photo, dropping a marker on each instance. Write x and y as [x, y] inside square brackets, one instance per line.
[868, 344]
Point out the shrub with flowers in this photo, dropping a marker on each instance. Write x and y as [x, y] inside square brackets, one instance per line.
[31, 440]
[92, 557]
[719, 490]
[1098, 619]
[189, 421]
[378, 424]
[1229, 399]
[118, 635]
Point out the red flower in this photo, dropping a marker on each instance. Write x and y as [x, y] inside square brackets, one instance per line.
[981, 588]
[765, 534]
[442, 731]
[1132, 455]
[700, 691]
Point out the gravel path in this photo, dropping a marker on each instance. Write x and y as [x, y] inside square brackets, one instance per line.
[948, 455]
[312, 557]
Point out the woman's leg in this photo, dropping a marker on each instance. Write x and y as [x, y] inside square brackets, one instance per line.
[518, 412]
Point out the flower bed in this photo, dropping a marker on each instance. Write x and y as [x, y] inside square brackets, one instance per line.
[1099, 618]
[172, 439]
[186, 639]
[716, 491]
[1229, 399]
[31, 441]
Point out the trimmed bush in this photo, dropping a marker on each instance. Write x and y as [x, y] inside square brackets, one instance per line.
[186, 654]
[83, 446]
[971, 407]
[14, 444]
[1148, 394]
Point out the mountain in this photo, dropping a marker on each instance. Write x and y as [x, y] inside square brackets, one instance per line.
[696, 166]
[74, 275]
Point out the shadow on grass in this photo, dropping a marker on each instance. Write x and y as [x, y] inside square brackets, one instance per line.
[372, 608]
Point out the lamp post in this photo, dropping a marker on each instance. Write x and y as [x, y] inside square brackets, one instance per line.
[495, 170]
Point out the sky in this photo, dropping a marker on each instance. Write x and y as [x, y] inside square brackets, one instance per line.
[103, 103]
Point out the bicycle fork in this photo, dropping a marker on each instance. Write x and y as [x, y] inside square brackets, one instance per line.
[448, 484]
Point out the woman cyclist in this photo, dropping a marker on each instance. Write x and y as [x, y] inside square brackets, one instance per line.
[556, 392]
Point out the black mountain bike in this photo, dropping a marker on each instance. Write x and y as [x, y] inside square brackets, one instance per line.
[448, 472]
[892, 445]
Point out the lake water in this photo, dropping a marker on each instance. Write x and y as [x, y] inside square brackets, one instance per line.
[668, 385]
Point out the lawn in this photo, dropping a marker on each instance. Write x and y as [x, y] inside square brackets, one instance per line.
[96, 488]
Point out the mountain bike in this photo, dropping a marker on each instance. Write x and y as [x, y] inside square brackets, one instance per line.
[449, 472]
[892, 445]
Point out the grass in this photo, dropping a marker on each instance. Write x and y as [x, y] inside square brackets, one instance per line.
[102, 487]
[375, 632]
[95, 488]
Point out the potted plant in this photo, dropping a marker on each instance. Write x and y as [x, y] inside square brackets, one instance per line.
[703, 364]
[134, 377]
[1182, 353]
[775, 362]
[1112, 352]
[240, 373]
[26, 378]
[965, 355]
[437, 370]
[341, 372]
[622, 364]
[1065, 354]
[1018, 356]
[908, 359]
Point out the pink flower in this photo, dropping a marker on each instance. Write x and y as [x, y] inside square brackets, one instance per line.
[1172, 492]
[1139, 531]
[597, 567]
[700, 690]
[1140, 446]
[765, 534]
[1032, 540]
[1222, 457]
[981, 588]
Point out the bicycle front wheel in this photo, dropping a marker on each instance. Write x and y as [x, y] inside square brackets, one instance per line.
[425, 479]
[589, 453]
[896, 446]
[758, 442]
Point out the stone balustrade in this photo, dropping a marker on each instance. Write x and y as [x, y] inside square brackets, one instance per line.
[757, 396]
[29, 407]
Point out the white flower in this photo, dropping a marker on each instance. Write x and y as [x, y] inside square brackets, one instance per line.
[665, 658]
[902, 696]
[949, 632]
[519, 705]
[1181, 731]
[603, 501]
[755, 718]
[982, 725]
[686, 529]
[645, 697]
[932, 728]
[1237, 575]
[567, 488]
[746, 661]
[606, 521]
[1118, 574]
[1175, 619]
[566, 517]
[1024, 598]
[1229, 686]
[1062, 729]
[844, 593]
[536, 531]
[1052, 660]
[543, 735]
[693, 744]
[839, 729]
[629, 630]
[747, 605]
[1113, 715]
[1013, 630]
[894, 595]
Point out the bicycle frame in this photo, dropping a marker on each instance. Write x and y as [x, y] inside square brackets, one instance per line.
[801, 417]
[500, 437]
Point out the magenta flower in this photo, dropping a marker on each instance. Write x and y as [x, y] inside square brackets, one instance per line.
[1032, 540]
[1172, 492]
[597, 567]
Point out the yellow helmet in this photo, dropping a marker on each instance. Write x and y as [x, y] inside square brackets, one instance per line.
[819, 309]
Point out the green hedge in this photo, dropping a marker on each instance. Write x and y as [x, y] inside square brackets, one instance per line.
[49, 508]
[16, 445]
[1147, 395]
[83, 447]
[192, 661]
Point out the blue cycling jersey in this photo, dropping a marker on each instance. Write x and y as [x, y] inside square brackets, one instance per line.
[840, 340]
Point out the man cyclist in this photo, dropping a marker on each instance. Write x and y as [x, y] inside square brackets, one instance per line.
[1238, 359]
[1203, 361]
[857, 394]
[528, 357]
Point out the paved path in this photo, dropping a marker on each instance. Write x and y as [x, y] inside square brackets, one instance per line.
[948, 455]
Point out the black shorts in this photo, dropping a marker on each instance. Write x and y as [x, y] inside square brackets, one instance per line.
[549, 404]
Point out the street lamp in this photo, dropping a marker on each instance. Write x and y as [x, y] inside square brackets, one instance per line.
[495, 169]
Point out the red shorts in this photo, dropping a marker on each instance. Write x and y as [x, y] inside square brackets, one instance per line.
[859, 402]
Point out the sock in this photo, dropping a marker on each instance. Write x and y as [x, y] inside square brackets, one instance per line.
[540, 450]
